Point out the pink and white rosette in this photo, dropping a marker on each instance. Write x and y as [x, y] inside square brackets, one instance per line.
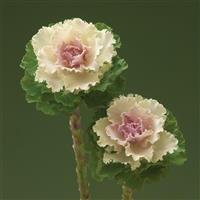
[72, 55]
[134, 130]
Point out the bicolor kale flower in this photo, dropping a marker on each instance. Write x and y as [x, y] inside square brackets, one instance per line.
[67, 62]
[72, 55]
[134, 131]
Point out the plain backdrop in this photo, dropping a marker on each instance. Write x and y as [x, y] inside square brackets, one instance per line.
[159, 42]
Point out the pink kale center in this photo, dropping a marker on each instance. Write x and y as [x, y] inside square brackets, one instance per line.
[131, 128]
[73, 54]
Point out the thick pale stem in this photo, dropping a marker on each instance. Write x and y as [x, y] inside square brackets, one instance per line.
[127, 193]
[78, 146]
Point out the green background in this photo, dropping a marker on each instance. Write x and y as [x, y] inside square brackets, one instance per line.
[160, 45]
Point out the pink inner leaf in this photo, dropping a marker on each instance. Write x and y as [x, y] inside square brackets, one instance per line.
[72, 55]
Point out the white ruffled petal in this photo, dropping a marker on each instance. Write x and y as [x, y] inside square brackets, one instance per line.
[107, 51]
[54, 80]
[150, 120]
[140, 150]
[80, 80]
[158, 123]
[153, 137]
[153, 107]
[157, 111]
[43, 37]
[47, 59]
[166, 144]
[120, 105]
[114, 134]
[120, 158]
[70, 81]
[81, 27]
[100, 129]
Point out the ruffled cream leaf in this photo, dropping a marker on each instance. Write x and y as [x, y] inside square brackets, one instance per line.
[68, 80]
[166, 144]
[44, 37]
[100, 129]
[120, 158]
[80, 81]
[120, 105]
[153, 106]
[100, 51]
[150, 121]
[114, 134]
[48, 55]
[53, 80]
[153, 137]
[107, 51]
[139, 151]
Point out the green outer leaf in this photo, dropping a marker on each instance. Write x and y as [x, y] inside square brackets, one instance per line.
[100, 26]
[147, 172]
[49, 108]
[171, 125]
[29, 61]
[67, 99]
[38, 93]
[32, 87]
[118, 66]
[96, 98]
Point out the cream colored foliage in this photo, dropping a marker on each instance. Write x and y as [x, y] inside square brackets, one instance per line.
[99, 128]
[120, 105]
[120, 157]
[166, 144]
[153, 143]
[100, 52]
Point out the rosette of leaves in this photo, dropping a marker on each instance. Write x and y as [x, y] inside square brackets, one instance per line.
[123, 174]
[65, 102]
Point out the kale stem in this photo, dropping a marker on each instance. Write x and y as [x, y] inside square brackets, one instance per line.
[79, 152]
[127, 193]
